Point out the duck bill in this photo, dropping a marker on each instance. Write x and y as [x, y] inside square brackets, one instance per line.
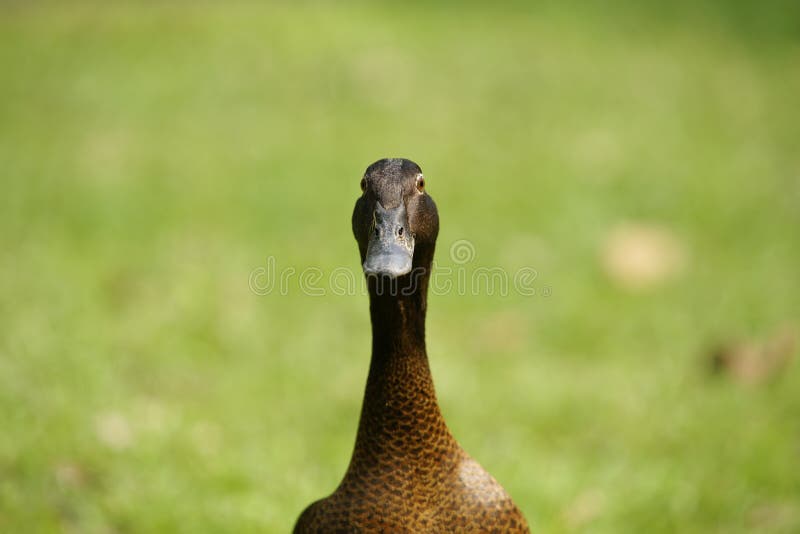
[390, 251]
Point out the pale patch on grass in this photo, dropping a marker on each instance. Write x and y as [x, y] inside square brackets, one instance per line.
[70, 475]
[114, 430]
[639, 256]
[754, 362]
[585, 508]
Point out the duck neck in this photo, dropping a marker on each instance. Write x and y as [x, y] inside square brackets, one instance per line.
[400, 411]
[398, 324]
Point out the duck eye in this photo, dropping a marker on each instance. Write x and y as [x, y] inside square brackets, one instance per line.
[420, 183]
[363, 184]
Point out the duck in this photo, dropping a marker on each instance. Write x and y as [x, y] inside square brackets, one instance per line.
[407, 472]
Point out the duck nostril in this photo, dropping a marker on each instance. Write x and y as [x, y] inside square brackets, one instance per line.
[400, 231]
[377, 232]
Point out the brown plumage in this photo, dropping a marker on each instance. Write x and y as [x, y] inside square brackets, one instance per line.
[407, 472]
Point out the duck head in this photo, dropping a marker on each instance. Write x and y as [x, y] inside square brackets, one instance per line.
[395, 221]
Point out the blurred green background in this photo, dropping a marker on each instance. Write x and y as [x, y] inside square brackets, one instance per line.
[644, 160]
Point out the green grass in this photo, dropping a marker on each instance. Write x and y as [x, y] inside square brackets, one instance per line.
[152, 157]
